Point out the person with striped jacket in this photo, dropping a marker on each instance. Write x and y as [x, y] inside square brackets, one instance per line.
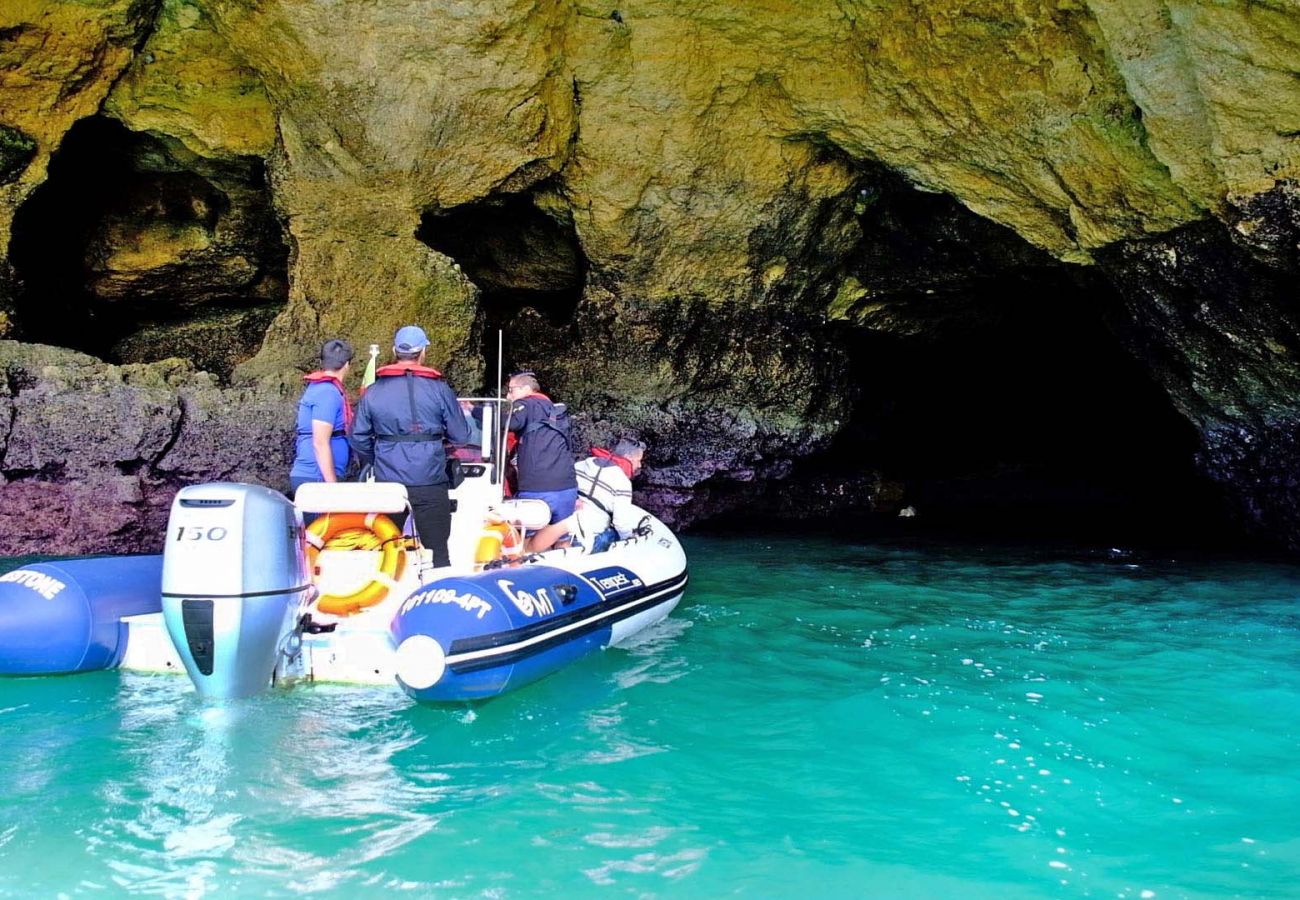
[604, 510]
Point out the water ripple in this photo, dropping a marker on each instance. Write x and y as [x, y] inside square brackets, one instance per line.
[815, 718]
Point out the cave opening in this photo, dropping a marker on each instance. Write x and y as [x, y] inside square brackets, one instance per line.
[994, 384]
[135, 249]
[520, 250]
[1032, 421]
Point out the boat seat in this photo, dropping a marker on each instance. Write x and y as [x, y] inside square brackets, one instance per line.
[527, 513]
[352, 497]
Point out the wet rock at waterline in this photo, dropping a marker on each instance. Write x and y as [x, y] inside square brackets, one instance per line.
[92, 453]
[719, 232]
[1213, 311]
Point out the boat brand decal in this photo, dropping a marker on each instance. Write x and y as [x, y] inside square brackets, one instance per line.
[41, 583]
[539, 604]
[468, 602]
[614, 581]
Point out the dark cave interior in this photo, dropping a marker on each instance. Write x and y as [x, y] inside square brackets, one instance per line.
[516, 252]
[1035, 422]
[134, 249]
[990, 381]
[994, 385]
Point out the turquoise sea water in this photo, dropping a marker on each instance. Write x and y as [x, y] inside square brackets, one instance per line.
[817, 719]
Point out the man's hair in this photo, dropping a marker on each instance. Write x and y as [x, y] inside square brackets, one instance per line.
[406, 357]
[625, 447]
[335, 354]
[526, 380]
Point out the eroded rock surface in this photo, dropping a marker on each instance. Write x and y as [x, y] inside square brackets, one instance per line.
[675, 210]
[58, 62]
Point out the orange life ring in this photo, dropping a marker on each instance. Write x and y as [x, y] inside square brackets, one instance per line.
[497, 538]
[358, 531]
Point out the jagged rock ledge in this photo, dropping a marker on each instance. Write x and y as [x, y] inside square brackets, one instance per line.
[92, 453]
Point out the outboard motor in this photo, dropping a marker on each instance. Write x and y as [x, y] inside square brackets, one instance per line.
[234, 580]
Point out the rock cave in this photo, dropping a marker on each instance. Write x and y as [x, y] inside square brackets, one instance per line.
[1005, 267]
[521, 252]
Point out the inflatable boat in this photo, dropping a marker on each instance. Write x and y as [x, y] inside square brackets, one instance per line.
[245, 596]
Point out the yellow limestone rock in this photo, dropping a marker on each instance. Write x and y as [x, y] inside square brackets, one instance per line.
[386, 110]
[689, 140]
[186, 83]
[694, 119]
[1218, 85]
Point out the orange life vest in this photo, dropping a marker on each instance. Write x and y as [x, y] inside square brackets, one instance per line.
[320, 375]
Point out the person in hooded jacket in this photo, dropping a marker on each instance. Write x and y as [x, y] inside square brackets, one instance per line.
[545, 457]
[324, 416]
[401, 424]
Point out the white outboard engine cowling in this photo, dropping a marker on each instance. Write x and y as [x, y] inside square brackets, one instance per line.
[234, 581]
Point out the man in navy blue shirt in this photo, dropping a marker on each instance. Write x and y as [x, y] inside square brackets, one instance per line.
[402, 421]
[545, 457]
[321, 452]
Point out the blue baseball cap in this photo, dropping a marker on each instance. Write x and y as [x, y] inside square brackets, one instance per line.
[409, 339]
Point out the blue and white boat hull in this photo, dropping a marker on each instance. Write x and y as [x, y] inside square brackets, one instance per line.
[69, 615]
[469, 637]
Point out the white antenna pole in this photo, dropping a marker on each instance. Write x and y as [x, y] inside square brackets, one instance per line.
[505, 413]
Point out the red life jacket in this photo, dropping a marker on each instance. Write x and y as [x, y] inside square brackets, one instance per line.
[621, 462]
[401, 368]
[319, 376]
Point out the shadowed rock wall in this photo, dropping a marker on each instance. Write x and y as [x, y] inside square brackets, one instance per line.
[1216, 315]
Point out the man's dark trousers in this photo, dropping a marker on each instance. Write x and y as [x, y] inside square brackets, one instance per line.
[432, 509]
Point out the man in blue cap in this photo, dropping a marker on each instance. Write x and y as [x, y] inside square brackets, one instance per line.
[401, 423]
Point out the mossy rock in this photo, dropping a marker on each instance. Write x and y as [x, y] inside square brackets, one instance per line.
[16, 151]
[214, 343]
